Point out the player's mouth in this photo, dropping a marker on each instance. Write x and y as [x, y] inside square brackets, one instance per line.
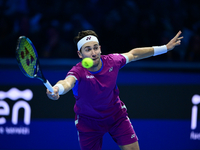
[95, 59]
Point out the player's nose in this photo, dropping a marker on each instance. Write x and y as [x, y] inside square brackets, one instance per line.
[93, 53]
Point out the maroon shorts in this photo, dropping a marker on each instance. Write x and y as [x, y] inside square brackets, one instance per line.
[90, 132]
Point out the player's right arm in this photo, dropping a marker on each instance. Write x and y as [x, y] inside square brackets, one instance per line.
[67, 84]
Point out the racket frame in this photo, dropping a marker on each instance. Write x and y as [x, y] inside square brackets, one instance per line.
[37, 71]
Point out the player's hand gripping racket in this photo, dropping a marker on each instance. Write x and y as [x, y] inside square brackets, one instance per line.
[28, 61]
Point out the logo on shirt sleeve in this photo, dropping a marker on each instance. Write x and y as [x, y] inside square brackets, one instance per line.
[89, 76]
[70, 73]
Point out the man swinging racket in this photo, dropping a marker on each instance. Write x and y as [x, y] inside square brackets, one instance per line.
[98, 107]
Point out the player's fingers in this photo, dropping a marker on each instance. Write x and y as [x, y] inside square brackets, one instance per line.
[178, 34]
[53, 97]
[178, 42]
[49, 94]
[180, 38]
[55, 90]
[56, 97]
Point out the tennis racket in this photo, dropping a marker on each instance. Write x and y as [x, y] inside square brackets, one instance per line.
[28, 61]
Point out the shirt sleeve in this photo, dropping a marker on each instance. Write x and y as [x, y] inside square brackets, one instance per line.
[127, 59]
[74, 72]
[120, 60]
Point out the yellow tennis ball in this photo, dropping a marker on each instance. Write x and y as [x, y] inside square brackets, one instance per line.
[87, 62]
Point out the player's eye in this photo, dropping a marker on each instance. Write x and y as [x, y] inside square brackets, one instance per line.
[87, 49]
[96, 47]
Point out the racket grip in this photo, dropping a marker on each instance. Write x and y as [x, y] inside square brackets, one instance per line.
[48, 86]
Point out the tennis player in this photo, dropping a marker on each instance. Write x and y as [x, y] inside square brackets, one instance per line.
[98, 107]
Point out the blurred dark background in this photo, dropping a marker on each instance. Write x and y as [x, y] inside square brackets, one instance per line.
[120, 25]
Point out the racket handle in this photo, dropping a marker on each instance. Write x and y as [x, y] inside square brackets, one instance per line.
[48, 86]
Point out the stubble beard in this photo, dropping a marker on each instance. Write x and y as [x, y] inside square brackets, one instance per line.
[96, 64]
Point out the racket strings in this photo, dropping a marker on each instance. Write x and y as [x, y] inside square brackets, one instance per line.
[27, 57]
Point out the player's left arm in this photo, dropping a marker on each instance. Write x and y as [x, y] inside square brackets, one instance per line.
[145, 52]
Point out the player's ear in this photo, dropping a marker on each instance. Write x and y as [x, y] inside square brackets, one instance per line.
[79, 54]
[100, 48]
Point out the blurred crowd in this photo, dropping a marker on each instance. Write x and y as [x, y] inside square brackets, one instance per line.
[120, 25]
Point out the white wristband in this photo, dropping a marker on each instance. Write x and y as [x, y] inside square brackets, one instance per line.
[61, 88]
[159, 50]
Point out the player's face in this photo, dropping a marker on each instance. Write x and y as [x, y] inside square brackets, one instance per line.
[92, 50]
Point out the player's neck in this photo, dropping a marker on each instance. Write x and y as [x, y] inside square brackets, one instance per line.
[97, 68]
